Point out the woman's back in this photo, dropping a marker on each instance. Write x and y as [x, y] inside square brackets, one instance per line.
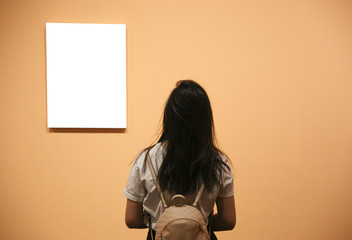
[141, 186]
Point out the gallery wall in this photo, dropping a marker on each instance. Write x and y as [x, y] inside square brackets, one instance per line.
[279, 77]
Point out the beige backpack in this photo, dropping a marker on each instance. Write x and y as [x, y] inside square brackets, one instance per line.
[179, 221]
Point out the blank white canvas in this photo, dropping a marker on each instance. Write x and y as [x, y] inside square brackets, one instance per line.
[86, 75]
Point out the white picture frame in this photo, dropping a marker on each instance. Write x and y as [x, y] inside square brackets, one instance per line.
[86, 75]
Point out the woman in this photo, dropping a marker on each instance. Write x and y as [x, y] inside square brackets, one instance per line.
[184, 157]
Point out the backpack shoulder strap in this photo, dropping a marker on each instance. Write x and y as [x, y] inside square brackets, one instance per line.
[198, 195]
[155, 180]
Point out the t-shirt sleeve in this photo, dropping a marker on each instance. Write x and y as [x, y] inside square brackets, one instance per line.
[226, 188]
[135, 189]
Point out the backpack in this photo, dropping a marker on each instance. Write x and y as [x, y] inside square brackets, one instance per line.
[179, 221]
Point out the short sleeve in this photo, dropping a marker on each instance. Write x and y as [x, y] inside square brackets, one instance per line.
[135, 189]
[226, 188]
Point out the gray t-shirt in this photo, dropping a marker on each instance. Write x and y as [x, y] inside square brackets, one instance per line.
[140, 187]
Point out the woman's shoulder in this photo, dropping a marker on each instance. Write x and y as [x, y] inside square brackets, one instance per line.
[157, 149]
[155, 152]
[224, 158]
[226, 165]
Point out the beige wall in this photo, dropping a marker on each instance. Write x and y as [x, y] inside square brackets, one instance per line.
[279, 77]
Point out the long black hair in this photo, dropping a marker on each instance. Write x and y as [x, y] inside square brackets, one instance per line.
[192, 156]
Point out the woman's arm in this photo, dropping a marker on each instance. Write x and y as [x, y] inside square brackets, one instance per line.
[225, 219]
[134, 215]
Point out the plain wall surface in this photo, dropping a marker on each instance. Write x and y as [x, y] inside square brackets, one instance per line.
[278, 74]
